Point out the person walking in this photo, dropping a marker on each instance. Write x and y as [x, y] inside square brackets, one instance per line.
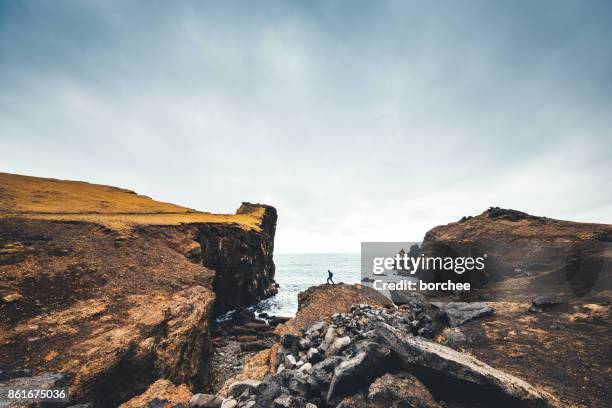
[330, 275]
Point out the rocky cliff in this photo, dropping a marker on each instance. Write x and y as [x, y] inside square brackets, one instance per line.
[367, 355]
[115, 290]
[516, 244]
[241, 258]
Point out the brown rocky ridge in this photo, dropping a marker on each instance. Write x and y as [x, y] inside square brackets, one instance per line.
[115, 290]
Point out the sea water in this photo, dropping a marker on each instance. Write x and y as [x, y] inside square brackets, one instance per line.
[297, 272]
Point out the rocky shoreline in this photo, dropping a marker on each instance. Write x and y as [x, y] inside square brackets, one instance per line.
[371, 357]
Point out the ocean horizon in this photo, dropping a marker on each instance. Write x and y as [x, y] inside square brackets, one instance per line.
[297, 272]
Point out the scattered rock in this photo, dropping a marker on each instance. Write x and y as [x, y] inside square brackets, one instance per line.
[544, 302]
[229, 403]
[359, 370]
[330, 335]
[306, 367]
[313, 355]
[205, 401]
[316, 327]
[338, 344]
[288, 401]
[290, 361]
[260, 327]
[461, 312]
[254, 345]
[448, 366]
[239, 387]
[276, 320]
[403, 390]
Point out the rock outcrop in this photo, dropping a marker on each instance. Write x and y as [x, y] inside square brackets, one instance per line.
[242, 259]
[516, 244]
[115, 290]
[369, 356]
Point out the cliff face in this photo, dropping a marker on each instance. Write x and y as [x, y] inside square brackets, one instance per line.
[119, 293]
[517, 244]
[242, 259]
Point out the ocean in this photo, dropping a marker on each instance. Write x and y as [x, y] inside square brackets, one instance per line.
[297, 272]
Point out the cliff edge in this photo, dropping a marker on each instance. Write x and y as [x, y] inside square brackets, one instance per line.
[115, 290]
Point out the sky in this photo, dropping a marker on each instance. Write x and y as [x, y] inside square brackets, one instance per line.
[358, 120]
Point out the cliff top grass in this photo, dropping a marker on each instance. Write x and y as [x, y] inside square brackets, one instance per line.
[115, 208]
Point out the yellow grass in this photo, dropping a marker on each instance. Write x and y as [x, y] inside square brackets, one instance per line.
[112, 207]
[19, 194]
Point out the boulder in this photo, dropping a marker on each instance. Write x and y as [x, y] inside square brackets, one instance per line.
[403, 390]
[290, 361]
[239, 387]
[321, 375]
[229, 403]
[288, 401]
[313, 355]
[350, 375]
[257, 326]
[305, 343]
[276, 320]
[461, 312]
[268, 391]
[316, 327]
[290, 342]
[338, 344]
[459, 375]
[306, 367]
[254, 345]
[330, 335]
[205, 401]
[542, 302]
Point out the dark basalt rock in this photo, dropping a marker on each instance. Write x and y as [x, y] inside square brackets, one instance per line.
[356, 372]
[461, 312]
[401, 390]
[241, 259]
[457, 375]
[544, 302]
[205, 401]
[384, 365]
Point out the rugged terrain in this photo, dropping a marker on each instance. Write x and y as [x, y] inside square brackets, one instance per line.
[115, 290]
[114, 297]
[554, 255]
[428, 353]
[539, 317]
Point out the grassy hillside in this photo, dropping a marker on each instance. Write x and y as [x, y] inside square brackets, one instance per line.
[115, 208]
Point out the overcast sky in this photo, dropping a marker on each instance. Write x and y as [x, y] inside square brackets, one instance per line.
[358, 121]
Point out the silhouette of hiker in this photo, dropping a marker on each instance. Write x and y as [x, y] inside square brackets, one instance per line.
[330, 275]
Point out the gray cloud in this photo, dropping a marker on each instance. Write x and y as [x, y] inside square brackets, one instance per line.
[357, 120]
